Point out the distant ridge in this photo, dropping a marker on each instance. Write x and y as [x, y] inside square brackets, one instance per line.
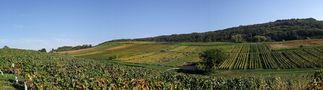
[288, 29]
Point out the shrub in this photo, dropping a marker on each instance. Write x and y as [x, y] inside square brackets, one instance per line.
[5, 47]
[112, 58]
[212, 58]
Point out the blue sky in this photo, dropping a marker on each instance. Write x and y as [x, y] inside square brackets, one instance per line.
[35, 24]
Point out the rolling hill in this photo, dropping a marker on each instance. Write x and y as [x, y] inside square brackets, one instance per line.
[288, 29]
[260, 50]
[39, 70]
[149, 64]
[265, 55]
[148, 52]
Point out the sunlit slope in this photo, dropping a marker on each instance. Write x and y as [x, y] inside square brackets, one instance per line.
[296, 44]
[150, 52]
[261, 56]
[51, 71]
[270, 55]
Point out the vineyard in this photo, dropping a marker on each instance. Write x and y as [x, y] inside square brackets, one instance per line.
[260, 56]
[50, 71]
[173, 54]
[242, 56]
[150, 65]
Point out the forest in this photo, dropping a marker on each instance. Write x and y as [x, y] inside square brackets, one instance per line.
[279, 30]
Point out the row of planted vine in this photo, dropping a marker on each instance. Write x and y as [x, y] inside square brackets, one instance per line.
[259, 55]
[50, 71]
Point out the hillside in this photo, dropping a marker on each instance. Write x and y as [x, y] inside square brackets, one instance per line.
[157, 65]
[269, 55]
[289, 29]
[172, 54]
[152, 63]
[51, 71]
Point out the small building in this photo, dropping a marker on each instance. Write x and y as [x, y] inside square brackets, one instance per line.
[189, 66]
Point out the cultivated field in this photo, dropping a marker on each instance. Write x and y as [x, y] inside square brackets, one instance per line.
[270, 55]
[152, 65]
[173, 54]
[260, 55]
[50, 71]
[296, 44]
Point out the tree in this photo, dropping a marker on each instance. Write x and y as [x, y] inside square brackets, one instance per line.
[5, 47]
[52, 51]
[259, 38]
[112, 58]
[68, 48]
[237, 38]
[212, 58]
[42, 50]
[289, 29]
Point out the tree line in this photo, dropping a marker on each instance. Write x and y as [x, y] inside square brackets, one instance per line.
[279, 30]
[67, 48]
